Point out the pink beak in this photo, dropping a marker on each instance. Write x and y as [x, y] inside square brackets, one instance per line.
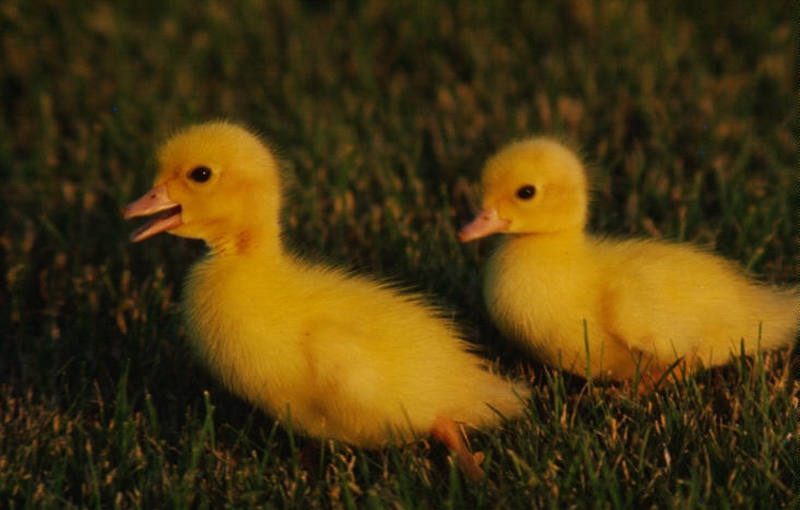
[155, 200]
[487, 222]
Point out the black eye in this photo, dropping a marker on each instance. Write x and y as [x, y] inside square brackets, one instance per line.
[526, 192]
[200, 174]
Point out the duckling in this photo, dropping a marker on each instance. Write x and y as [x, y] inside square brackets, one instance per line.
[340, 356]
[603, 307]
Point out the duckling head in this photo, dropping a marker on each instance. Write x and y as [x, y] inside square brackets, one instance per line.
[533, 186]
[217, 182]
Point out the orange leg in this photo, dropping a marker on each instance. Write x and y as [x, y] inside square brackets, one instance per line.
[446, 431]
[648, 380]
[655, 372]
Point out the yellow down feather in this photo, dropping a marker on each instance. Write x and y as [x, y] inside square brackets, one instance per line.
[342, 356]
[643, 303]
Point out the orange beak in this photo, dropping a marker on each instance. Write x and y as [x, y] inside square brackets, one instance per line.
[487, 222]
[154, 201]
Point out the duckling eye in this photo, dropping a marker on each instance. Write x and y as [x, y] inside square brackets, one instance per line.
[526, 192]
[200, 174]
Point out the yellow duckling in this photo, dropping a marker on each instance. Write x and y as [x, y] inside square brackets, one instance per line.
[645, 304]
[341, 356]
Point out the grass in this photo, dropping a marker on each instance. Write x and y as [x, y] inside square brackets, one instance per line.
[383, 112]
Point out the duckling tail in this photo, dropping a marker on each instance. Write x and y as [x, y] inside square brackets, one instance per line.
[780, 318]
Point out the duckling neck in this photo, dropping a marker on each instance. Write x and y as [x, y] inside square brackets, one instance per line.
[570, 237]
[551, 246]
[554, 251]
[247, 240]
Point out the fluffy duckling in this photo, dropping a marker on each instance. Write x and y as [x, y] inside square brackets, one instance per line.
[340, 356]
[646, 304]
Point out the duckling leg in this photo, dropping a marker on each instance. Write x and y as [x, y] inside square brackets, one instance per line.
[654, 376]
[445, 430]
[648, 381]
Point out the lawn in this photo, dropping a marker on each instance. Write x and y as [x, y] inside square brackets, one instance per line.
[383, 112]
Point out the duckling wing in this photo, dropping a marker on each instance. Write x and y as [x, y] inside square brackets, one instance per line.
[675, 301]
[648, 305]
[345, 397]
[381, 379]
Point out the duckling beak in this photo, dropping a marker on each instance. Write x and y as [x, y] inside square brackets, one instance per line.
[155, 200]
[487, 222]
